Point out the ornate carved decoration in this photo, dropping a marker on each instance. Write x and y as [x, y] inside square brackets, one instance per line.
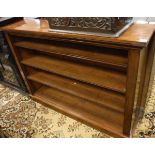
[89, 24]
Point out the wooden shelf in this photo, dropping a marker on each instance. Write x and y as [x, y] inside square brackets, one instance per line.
[99, 96]
[78, 108]
[109, 79]
[93, 54]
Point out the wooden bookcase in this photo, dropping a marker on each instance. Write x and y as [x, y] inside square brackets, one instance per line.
[89, 78]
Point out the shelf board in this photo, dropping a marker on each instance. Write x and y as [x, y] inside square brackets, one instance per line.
[110, 99]
[93, 54]
[81, 109]
[112, 80]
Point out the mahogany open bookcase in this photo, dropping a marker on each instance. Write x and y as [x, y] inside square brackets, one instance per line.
[93, 79]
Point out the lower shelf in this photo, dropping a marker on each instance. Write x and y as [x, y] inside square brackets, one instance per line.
[102, 97]
[105, 120]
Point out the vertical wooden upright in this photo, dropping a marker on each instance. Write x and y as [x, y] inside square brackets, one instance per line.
[147, 74]
[17, 57]
[133, 62]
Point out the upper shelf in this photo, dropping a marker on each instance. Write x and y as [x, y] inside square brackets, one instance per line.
[138, 35]
[94, 54]
[112, 80]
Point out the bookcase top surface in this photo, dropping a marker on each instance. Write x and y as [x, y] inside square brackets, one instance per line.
[137, 35]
